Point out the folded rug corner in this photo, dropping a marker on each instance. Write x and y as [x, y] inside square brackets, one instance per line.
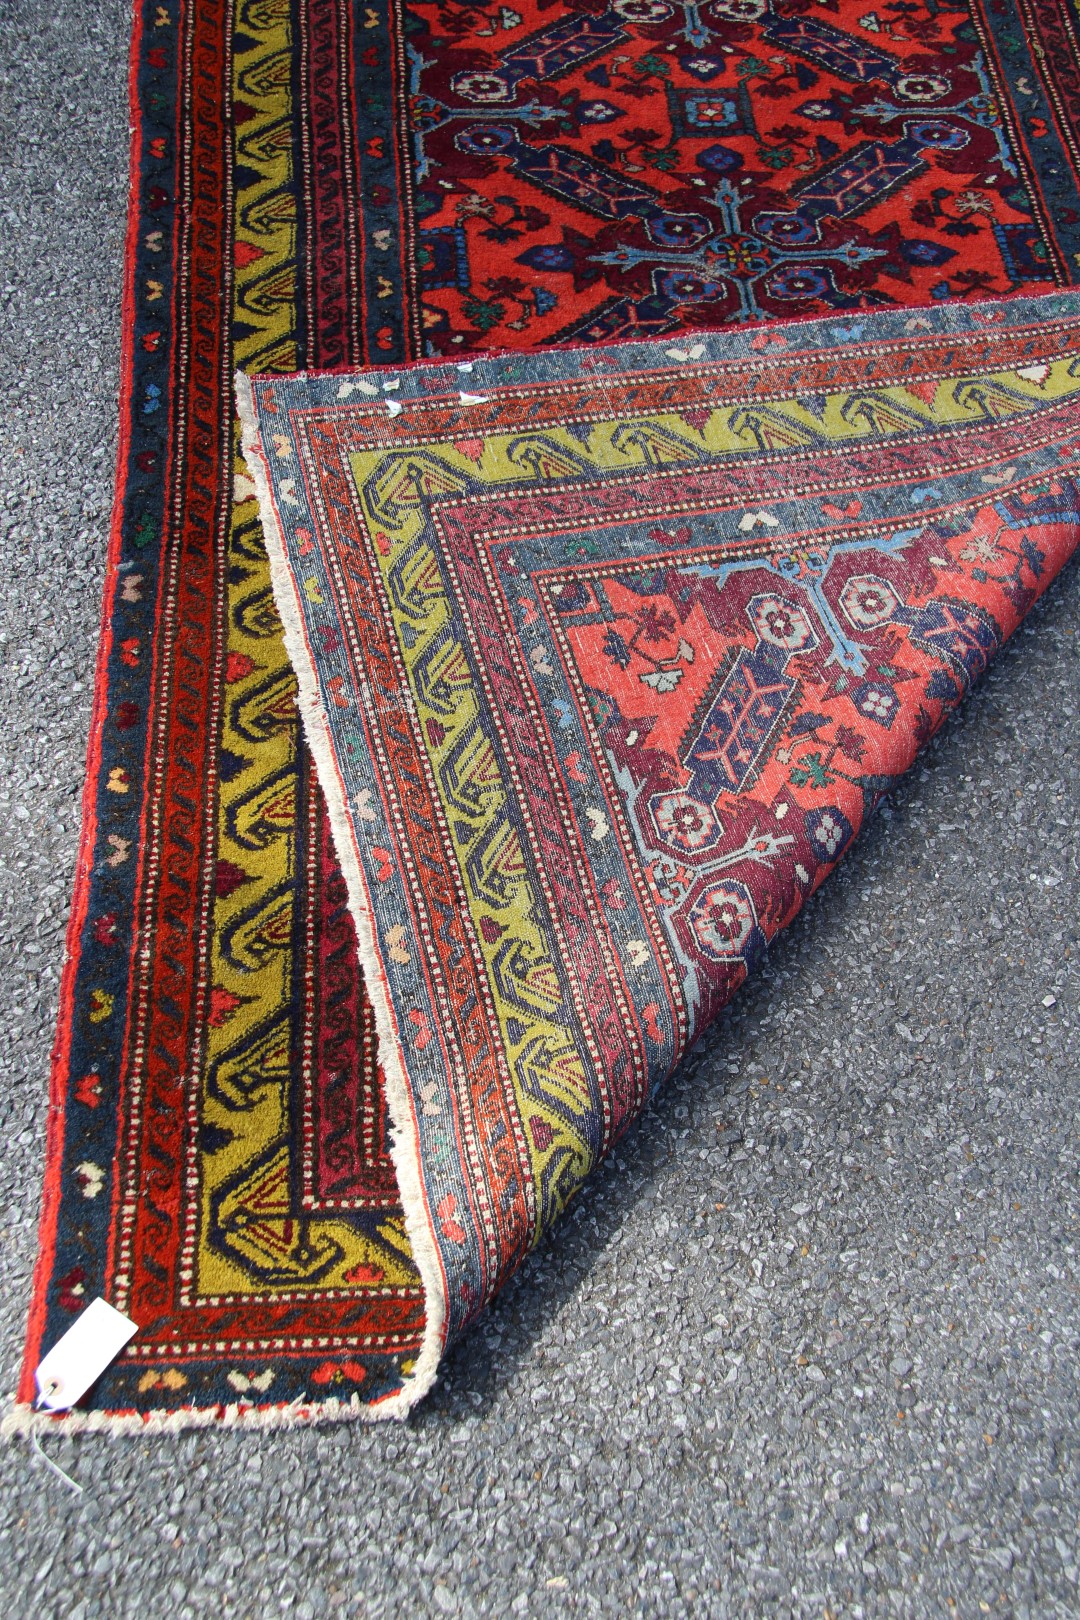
[603, 661]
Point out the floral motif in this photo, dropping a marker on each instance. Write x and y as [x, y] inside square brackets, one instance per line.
[481, 87]
[829, 831]
[781, 623]
[91, 1178]
[101, 1005]
[642, 11]
[684, 822]
[868, 601]
[877, 701]
[339, 1372]
[723, 919]
[170, 1378]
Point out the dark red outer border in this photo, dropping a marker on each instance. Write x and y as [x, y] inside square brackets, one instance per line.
[60, 1059]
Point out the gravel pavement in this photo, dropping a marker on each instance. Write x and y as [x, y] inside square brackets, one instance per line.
[807, 1346]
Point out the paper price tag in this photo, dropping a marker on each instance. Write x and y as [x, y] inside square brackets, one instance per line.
[86, 1349]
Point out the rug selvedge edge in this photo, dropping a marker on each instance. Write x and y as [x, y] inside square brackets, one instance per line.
[60, 1055]
[404, 1140]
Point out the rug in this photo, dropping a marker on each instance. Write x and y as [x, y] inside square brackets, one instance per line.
[328, 185]
[605, 657]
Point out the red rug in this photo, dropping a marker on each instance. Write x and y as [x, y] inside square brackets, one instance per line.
[322, 185]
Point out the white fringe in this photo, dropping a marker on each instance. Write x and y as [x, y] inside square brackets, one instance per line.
[23, 1420]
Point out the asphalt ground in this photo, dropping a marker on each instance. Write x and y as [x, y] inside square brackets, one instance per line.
[806, 1346]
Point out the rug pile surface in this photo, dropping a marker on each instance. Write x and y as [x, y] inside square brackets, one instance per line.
[605, 653]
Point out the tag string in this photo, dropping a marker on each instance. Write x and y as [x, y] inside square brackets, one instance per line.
[53, 1467]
